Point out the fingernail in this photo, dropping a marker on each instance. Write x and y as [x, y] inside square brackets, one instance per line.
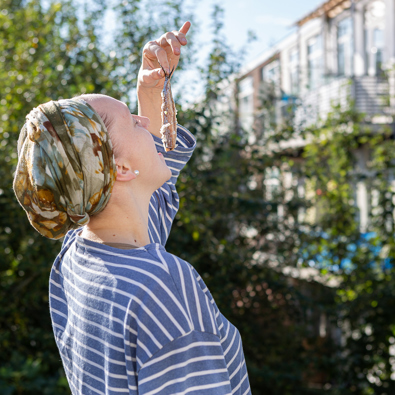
[176, 50]
[183, 40]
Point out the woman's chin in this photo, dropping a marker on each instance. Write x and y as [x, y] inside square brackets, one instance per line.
[162, 159]
[165, 174]
[165, 171]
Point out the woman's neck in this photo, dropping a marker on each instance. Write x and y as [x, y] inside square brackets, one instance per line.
[124, 220]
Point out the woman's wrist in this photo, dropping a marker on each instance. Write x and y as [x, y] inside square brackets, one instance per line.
[149, 105]
[148, 91]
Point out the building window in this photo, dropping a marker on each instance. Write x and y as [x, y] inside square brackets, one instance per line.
[344, 47]
[294, 71]
[270, 93]
[378, 46]
[271, 72]
[246, 85]
[246, 103]
[374, 36]
[315, 61]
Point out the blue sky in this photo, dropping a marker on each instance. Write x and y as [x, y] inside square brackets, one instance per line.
[270, 20]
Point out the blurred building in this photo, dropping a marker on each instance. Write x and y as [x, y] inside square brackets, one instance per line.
[343, 49]
[340, 50]
[341, 40]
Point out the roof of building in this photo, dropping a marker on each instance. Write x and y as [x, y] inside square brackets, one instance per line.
[330, 8]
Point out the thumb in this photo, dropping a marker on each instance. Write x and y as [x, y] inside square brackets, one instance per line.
[151, 76]
[156, 74]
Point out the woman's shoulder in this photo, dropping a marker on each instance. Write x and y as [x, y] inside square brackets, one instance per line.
[69, 236]
[188, 281]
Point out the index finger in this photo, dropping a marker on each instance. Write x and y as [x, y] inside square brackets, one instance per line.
[185, 27]
[153, 51]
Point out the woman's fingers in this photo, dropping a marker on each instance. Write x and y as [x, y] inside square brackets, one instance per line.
[151, 77]
[175, 39]
[185, 27]
[169, 39]
[181, 37]
[154, 52]
[159, 52]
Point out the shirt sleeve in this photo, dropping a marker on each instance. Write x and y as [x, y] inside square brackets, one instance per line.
[69, 235]
[193, 363]
[165, 202]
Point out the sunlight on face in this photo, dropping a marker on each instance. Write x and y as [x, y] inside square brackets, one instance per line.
[133, 144]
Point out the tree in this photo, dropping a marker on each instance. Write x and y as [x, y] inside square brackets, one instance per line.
[253, 240]
[332, 238]
[243, 222]
[45, 55]
[225, 226]
[365, 257]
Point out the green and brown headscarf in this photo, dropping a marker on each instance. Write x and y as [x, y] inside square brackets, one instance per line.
[66, 167]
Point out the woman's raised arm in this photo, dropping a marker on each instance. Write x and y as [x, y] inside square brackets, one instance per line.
[165, 51]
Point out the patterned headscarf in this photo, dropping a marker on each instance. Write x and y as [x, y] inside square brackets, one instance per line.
[66, 167]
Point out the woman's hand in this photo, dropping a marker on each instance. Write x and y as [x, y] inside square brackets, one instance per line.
[163, 52]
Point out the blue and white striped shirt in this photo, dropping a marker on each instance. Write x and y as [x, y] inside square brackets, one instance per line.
[142, 321]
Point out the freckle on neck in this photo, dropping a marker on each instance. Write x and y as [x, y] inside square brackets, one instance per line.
[113, 235]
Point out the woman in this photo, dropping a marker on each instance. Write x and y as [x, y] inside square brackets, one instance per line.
[128, 317]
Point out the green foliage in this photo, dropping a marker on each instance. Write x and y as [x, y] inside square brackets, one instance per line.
[38, 64]
[243, 222]
[239, 244]
[252, 243]
[45, 55]
[331, 167]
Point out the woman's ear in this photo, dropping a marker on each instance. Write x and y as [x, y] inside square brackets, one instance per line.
[124, 172]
